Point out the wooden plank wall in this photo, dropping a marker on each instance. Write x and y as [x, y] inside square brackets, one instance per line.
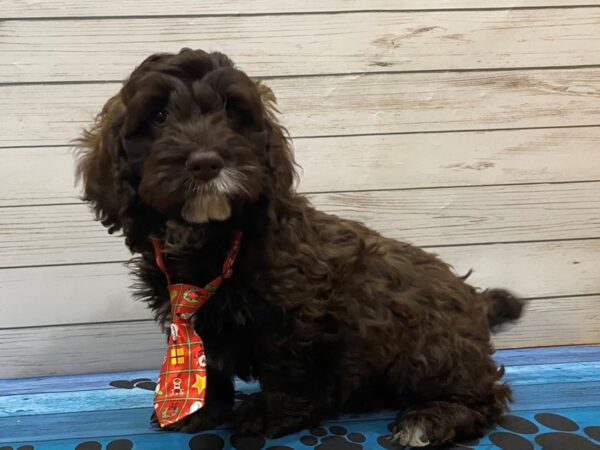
[469, 127]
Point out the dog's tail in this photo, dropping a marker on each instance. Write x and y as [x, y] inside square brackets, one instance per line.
[503, 307]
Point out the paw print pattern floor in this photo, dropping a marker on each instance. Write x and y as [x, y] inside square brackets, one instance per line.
[119, 444]
[549, 431]
[142, 383]
[23, 447]
[207, 441]
[557, 392]
[333, 438]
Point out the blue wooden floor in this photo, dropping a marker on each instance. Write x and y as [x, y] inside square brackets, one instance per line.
[557, 392]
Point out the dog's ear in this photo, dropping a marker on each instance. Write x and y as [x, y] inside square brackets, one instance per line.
[280, 156]
[98, 153]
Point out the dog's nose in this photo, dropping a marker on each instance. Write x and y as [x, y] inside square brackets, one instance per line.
[204, 165]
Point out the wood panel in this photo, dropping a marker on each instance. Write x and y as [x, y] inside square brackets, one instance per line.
[91, 348]
[67, 295]
[564, 321]
[66, 234]
[537, 269]
[430, 217]
[33, 176]
[37, 175]
[112, 8]
[86, 50]
[356, 104]
[87, 348]
[392, 89]
[100, 292]
[381, 103]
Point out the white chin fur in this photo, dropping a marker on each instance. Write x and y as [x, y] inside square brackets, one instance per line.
[211, 201]
[206, 207]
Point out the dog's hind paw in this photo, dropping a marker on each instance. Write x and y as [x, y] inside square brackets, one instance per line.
[411, 434]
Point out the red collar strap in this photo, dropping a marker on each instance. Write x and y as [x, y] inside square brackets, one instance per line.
[181, 385]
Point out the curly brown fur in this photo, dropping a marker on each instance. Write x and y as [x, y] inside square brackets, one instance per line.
[327, 314]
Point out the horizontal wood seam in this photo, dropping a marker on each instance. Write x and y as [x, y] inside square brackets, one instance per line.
[358, 191]
[297, 13]
[429, 246]
[333, 74]
[390, 133]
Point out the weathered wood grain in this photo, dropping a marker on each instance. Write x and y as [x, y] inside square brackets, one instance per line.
[86, 50]
[116, 8]
[537, 269]
[33, 176]
[100, 292]
[559, 321]
[354, 104]
[67, 295]
[474, 215]
[91, 348]
[38, 175]
[372, 130]
[65, 234]
[86, 348]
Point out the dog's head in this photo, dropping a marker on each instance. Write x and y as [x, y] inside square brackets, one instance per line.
[188, 138]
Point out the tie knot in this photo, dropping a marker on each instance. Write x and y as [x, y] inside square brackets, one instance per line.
[186, 299]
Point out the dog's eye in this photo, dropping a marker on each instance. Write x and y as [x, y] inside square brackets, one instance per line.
[160, 117]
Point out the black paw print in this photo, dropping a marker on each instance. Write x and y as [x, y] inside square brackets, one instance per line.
[247, 442]
[207, 441]
[336, 438]
[562, 437]
[252, 443]
[119, 444]
[142, 383]
[22, 447]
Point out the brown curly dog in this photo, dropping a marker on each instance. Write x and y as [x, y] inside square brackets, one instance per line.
[325, 313]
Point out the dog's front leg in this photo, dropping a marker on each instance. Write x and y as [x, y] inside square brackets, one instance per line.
[294, 396]
[275, 413]
[217, 409]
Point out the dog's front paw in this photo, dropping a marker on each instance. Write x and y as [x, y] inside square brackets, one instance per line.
[206, 418]
[273, 414]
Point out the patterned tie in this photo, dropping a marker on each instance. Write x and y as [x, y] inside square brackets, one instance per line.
[181, 384]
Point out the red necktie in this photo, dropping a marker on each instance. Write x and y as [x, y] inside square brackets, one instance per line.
[181, 385]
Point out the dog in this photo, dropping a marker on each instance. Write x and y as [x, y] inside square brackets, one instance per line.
[328, 315]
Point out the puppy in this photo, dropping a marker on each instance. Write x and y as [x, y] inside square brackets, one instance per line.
[326, 314]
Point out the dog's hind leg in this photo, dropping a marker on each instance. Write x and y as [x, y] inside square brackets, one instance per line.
[447, 392]
[458, 412]
[438, 422]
